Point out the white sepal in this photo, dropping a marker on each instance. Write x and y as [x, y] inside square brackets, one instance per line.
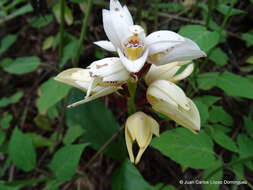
[75, 77]
[107, 45]
[109, 29]
[102, 92]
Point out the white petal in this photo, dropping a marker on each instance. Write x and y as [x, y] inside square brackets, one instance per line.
[107, 45]
[103, 92]
[109, 29]
[165, 72]
[109, 69]
[129, 143]
[168, 90]
[187, 71]
[128, 15]
[161, 40]
[136, 65]
[142, 149]
[139, 31]
[186, 51]
[76, 77]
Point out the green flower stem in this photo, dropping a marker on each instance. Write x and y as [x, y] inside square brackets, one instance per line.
[131, 100]
[229, 165]
[83, 33]
[224, 22]
[62, 4]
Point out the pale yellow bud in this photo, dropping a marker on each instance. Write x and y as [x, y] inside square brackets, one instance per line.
[139, 127]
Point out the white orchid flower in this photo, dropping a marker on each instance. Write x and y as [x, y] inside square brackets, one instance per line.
[168, 72]
[102, 77]
[139, 127]
[170, 100]
[135, 48]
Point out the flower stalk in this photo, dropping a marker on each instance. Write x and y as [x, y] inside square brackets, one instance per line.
[62, 4]
[83, 33]
[131, 100]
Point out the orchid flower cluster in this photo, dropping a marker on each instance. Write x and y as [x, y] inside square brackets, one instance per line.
[166, 51]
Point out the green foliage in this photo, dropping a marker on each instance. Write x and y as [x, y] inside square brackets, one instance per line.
[41, 21]
[6, 42]
[199, 34]
[127, 177]
[97, 131]
[48, 43]
[214, 178]
[11, 100]
[219, 115]
[39, 141]
[222, 8]
[219, 57]
[222, 139]
[178, 142]
[65, 161]
[22, 151]
[51, 92]
[248, 37]
[228, 82]
[43, 123]
[22, 65]
[72, 134]
[67, 14]
[5, 121]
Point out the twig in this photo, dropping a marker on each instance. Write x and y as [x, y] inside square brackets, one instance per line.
[103, 147]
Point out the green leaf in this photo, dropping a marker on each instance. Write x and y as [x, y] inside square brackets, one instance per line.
[222, 8]
[203, 111]
[5, 121]
[23, 65]
[5, 187]
[219, 57]
[235, 85]
[51, 92]
[72, 134]
[11, 100]
[248, 124]
[2, 137]
[219, 115]
[65, 161]
[248, 37]
[127, 177]
[245, 145]
[48, 43]
[207, 81]
[250, 60]
[22, 10]
[97, 131]
[68, 52]
[208, 100]
[215, 178]
[186, 148]
[39, 141]
[41, 21]
[6, 42]
[203, 103]
[43, 122]
[223, 140]
[22, 151]
[232, 84]
[200, 34]
[67, 14]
